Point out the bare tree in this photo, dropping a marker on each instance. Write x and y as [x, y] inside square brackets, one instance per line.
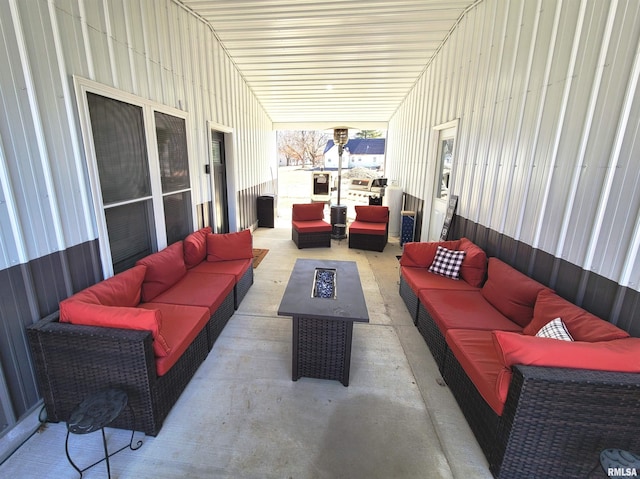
[368, 134]
[302, 147]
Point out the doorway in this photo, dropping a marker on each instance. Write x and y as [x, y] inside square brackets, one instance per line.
[220, 207]
[445, 136]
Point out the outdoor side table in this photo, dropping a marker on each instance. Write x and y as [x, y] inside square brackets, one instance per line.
[95, 413]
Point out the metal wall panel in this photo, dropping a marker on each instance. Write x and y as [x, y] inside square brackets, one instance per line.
[547, 150]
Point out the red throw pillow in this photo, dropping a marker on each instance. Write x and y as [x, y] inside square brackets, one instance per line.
[372, 214]
[164, 269]
[474, 266]
[421, 255]
[622, 355]
[77, 312]
[582, 325]
[195, 247]
[511, 292]
[229, 246]
[307, 211]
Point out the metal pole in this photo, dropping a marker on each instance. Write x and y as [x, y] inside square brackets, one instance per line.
[340, 148]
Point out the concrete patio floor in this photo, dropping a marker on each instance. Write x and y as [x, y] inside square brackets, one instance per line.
[242, 416]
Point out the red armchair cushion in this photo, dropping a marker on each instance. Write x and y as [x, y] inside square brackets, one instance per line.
[307, 211]
[228, 246]
[474, 266]
[164, 269]
[195, 247]
[372, 214]
[511, 292]
[582, 325]
[78, 312]
[421, 255]
[311, 226]
[365, 228]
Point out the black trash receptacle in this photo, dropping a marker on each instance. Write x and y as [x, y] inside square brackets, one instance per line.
[265, 211]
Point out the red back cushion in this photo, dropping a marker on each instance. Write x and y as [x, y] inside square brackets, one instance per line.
[511, 292]
[307, 211]
[582, 325]
[195, 247]
[421, 255]
[474, 265]
[372, 214]
[621, 355]
[164, 269]
[78, 312]
[123, 289]
[229, 246]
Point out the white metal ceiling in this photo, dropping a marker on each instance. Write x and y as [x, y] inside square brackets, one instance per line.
[331, 62]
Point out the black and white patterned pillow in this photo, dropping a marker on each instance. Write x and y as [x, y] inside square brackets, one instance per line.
[447, 263]
[555, 329]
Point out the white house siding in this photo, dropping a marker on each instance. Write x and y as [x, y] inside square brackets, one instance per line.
[151, 48]
[548, 150]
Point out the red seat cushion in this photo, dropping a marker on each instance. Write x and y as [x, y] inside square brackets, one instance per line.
[511, 292]
[452, 309]
[229, 246]
[421, 255]
[164, 269]
[477, 355]
[235, 267]
[195, 247]
[421, 278]
[307, 211]
[365, 228]
[582, 325]
[199, 289]
[311, 226]
[180, 326]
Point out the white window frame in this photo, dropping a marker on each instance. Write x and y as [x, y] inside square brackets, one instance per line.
[84, 86]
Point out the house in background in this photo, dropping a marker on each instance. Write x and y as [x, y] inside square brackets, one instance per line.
[358, 153]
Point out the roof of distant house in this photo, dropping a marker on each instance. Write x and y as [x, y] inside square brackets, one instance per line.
[362, 146]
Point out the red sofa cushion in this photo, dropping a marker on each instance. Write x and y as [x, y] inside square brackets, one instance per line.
[511, 292]
[78, 312]
[164, 269]
[229, 246]
[622, 355]
[123, 289]
[180, 326]
[198, 289]
[477, 355]
[365, 228]
[307, 211]
[421, 255]
[421, 278]
[474, 267]
[311, 226]
[234, 267]
[582, 325]
[195, 247]
[451, 309]
[372, 214]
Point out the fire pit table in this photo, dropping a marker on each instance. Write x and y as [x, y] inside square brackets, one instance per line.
[324, 298]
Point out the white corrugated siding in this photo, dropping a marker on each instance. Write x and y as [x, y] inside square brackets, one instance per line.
[547, 148]
[151, 48]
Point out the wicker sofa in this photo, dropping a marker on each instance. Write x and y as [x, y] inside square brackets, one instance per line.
[145, 330]
[308, 227]
[538, 407]
[370, 229]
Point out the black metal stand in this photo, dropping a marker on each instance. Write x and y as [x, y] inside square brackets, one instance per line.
[338, 222]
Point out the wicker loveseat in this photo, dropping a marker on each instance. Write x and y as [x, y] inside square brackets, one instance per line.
[145, 330]
[538, 407]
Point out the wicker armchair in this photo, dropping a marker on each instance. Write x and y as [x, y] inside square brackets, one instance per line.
[370, 230]
[308, 228]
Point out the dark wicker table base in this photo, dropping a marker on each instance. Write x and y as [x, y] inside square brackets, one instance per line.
[321, 348]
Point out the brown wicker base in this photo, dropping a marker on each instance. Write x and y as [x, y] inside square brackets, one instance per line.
[242, 287]
[432, 336]
[410, 299]
[219, 319]
[311, 240]
[367, 242]
[321, 348]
